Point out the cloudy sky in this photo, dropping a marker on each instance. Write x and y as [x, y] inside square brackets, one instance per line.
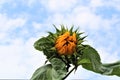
[22, 22]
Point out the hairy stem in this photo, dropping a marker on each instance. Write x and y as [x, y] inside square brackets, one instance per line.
[68, 73]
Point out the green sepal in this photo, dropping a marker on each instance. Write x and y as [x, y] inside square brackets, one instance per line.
[71, 30]
[63, 30]
[57, 30]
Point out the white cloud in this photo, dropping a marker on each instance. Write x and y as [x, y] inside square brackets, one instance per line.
[3, 1]
[81, 16]
[106, 56]
[85, 17]
[36, 58]
[7, 23]
[113, 3]
[2, 36]
[19, 59]
[10, 59]
[14, 2]
[31, 2]
[37, 25]
[58, 5]
[96, 3]
[105, 3]
[28, 3]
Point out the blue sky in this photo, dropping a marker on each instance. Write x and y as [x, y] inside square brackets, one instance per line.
[22, 22]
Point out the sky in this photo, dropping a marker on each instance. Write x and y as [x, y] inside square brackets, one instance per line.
[22, 22]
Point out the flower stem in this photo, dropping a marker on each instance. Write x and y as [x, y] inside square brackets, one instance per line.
[68, 73]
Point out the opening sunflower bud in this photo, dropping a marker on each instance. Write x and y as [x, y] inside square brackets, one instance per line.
[66, 43]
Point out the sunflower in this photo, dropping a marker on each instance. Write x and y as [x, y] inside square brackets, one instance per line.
[66, 43]
[63, 42]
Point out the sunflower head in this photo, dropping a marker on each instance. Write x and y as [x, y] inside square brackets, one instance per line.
[63, 42]
[66, 43]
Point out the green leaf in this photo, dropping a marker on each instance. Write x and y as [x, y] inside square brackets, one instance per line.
[90, 57]
[46, 45]
[59, 66]
[82, 61]
[54, 71]
[90, 60]
[43, 73]
[114, 68]
[42, 44]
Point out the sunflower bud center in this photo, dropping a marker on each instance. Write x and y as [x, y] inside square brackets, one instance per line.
[66, 43]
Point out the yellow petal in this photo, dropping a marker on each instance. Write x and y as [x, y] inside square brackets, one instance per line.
[65, 35]
[59, 45]
[71, 47]
[62, 50]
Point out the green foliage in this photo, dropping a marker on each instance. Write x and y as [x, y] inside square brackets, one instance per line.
[114, 68]
[84, 55]
[42, 44]
[54, 71]
[43, 73]
[91, 55]
[45, 44]
[90, 60]
[59, 66]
